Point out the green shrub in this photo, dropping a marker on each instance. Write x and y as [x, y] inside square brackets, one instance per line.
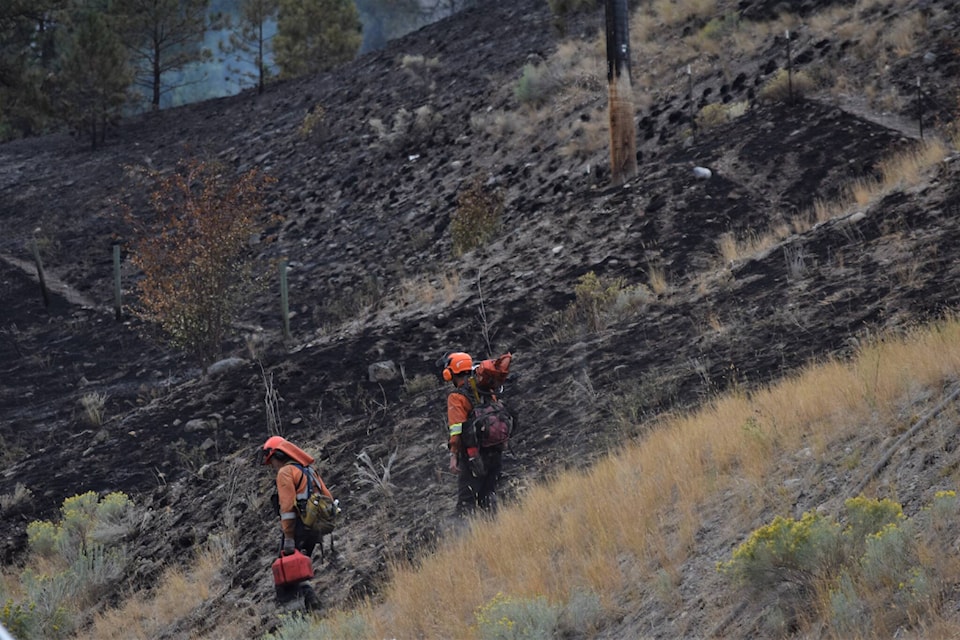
[18, 618]
[889, 557]
[879, 571]
[848, 612]
[719, 27]
[801, 549]
[113, 507]
[313, 118]
[42, 537]
[594, 298]
[581, 615]
[535, 85]
[477, 217]
[866, 517]
[506, 618]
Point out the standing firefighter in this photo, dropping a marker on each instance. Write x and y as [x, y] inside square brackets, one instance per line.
[297, 481]
[479, 427]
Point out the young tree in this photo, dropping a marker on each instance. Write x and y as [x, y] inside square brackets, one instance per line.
[250, 41]
[315, 35]
[198, 268]
[27, 57]
[384, 20]
[163, 36]
[94, 76]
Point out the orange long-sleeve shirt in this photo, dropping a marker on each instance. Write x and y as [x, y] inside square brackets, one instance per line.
[291, 487]
[458, 408]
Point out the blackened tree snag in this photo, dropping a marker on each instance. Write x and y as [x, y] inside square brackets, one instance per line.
[623, 138]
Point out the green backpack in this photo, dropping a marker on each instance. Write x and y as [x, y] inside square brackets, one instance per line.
[318, 512]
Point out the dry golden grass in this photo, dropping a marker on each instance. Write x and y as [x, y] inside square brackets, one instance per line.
[657, 280]
[901, 170]
[429, 290]
[900, 37]
[905, 169]
[731, 249]
[178, 594]
[581, 530]
[670, 13]
[585, 138]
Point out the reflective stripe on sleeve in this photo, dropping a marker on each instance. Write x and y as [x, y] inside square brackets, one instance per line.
[288, 515]
[456, 429]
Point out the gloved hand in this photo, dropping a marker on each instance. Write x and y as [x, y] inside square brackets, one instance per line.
[475, 462]
[454, 466]
[288, 546]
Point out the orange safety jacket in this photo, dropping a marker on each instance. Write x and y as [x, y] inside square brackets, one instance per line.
[458, 408]
[292, 487]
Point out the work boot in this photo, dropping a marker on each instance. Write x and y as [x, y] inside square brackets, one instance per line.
[287, 598]
[310, 600]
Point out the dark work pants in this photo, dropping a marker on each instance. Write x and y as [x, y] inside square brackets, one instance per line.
[475, 492]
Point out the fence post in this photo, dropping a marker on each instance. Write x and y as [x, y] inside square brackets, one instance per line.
[43, 281]
[693, 117]
[789, 69]
[920, 107]
[284, 300]
[117, 291]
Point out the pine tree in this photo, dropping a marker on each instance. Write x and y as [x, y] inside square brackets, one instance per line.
[27, 58]
[163, 36]
[315, 35]
[385, 20]
[249, 41]
[91, 87]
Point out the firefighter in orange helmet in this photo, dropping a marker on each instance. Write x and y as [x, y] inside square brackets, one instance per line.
[478, 469]
[292, 464]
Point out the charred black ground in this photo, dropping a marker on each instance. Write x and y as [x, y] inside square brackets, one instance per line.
[362, 216]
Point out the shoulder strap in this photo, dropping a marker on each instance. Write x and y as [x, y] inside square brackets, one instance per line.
[305, 471]
[476, 391]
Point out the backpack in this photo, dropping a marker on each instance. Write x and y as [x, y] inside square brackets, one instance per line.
[490, 423]
[317, 512]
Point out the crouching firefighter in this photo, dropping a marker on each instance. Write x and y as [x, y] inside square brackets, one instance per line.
[297, 480]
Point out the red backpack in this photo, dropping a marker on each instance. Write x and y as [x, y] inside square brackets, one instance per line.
[490, 423]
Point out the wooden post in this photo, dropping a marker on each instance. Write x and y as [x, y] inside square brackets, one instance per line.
[789, 69]
[693, 115]
[284, 300]
[43, 281]
[623, 133]
[920, 107]
[117, 291]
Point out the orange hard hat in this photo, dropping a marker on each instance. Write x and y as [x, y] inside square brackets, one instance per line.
[457, 363]
[279, 443]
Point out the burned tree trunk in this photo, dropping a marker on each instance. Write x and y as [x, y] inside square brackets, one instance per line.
[623, 137]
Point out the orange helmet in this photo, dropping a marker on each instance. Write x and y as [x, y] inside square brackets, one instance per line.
[456, 363]
[278, 443]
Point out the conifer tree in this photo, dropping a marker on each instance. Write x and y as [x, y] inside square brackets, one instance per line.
[163, 36]
[384, 20]
[249, 41]
[27, 58]
[91, 87]
[315, 35]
